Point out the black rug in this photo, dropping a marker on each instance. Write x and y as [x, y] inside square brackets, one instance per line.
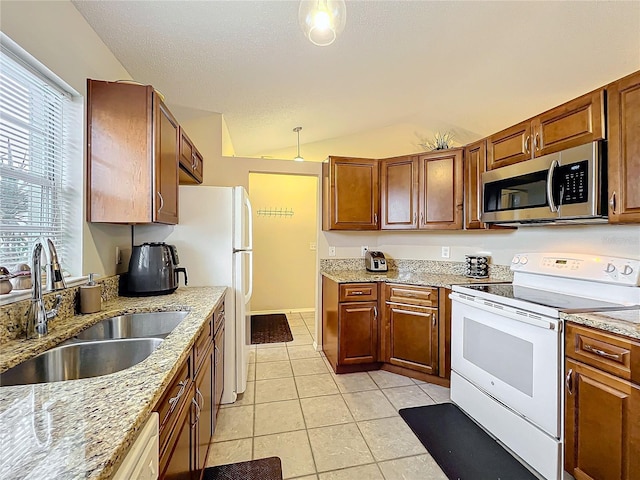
[262, 469]
[272, 328]
[460, 447]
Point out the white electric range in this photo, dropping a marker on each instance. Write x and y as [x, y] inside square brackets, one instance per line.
[507, 346]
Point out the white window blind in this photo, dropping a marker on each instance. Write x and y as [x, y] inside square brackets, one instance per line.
[33, 155]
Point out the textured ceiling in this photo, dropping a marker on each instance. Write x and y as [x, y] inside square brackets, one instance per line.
[471, 66]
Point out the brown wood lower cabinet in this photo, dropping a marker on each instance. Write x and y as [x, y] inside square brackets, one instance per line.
[409, 335]
[190, 404]
[602, 409]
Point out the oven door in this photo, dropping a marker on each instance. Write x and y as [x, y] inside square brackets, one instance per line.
[512, 355]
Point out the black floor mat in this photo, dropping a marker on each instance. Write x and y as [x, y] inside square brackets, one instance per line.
[273, 328]
[460, 447]
[262, 469]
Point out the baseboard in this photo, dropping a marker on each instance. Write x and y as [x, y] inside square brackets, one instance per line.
[283, 310]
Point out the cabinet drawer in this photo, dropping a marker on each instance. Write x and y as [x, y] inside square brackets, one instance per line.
[174, 397]
[203, 343]
[412, 295]
[611, 353]
[218, 319]
[355, 292]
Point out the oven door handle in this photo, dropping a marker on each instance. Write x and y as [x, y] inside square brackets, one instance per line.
[509, 312]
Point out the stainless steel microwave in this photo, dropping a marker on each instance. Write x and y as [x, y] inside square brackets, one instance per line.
[562, 187]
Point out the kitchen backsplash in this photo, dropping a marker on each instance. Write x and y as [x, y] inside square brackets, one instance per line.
[12, 323]
[496, 272]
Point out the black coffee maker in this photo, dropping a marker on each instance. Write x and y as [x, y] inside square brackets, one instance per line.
[153, 269]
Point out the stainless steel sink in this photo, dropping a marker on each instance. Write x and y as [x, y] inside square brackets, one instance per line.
[80, 360]
[134, 325]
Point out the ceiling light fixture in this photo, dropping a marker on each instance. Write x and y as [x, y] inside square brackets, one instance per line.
[322, 20]
[298, 157]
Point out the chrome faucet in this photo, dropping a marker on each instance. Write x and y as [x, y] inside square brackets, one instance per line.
[37, 316]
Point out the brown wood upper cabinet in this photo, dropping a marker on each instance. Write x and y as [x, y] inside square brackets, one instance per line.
[475, 164]
[191, 161]
[623, 98]
[399, 193]
[441, 193]
[132, 155]
[350, 192]
[422, 191]
[602, 434]
[574, 123]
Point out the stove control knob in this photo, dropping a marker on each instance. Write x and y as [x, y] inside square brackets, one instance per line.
[610, 268]
[627, 270]
[516, 259]
[524, 260]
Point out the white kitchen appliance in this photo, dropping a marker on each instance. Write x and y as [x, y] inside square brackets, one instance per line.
[214, 238]
[507, 346]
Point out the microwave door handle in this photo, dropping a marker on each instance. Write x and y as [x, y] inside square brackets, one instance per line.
[552, 168]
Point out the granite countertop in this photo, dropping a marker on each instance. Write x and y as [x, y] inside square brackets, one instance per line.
[622, 322]
[83, 428]
[411, 278]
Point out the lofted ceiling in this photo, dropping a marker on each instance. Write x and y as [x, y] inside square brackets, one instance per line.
[468, 67]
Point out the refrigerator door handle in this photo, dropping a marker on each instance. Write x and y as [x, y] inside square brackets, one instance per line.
[249, 222]
[248, 295]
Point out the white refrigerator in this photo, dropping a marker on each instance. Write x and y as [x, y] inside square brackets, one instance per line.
[214, 243]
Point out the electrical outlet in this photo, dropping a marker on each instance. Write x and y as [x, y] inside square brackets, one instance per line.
[445, 252]
[118, 256]
[332, 251]
[363, 250]
[312, 246]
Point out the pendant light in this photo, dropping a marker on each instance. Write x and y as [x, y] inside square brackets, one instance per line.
[322, 20]
[298, 157]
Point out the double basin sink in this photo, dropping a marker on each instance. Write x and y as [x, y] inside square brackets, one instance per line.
[109, 346]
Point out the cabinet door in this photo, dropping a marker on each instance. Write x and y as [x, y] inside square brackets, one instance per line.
[475, 164]
[204, 411]
[411, 335]
[399, 193]
[441, 192]
[509, 146]
[166, 165]
[190, 161]
[351, 194]
[177, 459]
[623, 99]
[575, 123]
[218, 366]
[602, 432]
[357, 333]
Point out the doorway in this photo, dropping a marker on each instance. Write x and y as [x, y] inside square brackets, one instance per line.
[285, 213]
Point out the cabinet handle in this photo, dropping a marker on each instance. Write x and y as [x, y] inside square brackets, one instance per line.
[200, 395]
[422, 219]
[536, 142]
[569, 381]
[375, 218]
[193, 401]
[526, 144]
[433, 319]
[193, 161]
[161, 201]
[415, 217]
[357, 293]
[375, 312]
[216, 350]
[612, 202]
[174, 400]
[601, 353]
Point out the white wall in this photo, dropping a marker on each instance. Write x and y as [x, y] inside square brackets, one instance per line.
[60, 38]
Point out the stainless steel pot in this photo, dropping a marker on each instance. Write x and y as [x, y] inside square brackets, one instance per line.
[153, 269]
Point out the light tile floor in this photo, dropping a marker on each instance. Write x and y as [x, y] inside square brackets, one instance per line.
[324, 426]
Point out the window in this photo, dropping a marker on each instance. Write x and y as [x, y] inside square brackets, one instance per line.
[34, 160]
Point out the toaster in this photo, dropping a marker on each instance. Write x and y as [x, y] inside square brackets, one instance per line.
[375, 261]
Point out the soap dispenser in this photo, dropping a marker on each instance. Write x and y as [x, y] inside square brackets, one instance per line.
[90, 296]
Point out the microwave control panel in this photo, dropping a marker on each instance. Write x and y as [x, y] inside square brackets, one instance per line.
[571, 183]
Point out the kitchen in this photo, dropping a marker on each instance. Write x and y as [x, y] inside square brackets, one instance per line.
[55, 20]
